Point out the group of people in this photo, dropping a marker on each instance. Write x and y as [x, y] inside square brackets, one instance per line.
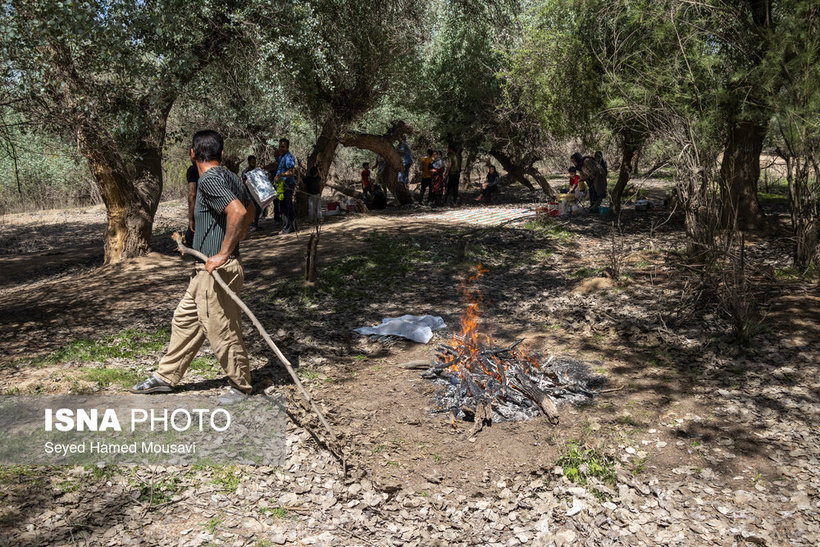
[440, 177]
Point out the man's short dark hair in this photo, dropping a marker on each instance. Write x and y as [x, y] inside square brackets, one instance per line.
[251, 157]
[366, 164]
[287, 142]
[429, 151]
[208, 146]
[314, 171]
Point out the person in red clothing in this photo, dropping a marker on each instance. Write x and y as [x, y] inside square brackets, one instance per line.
[576, 185]
[367, 184]
[573, 179]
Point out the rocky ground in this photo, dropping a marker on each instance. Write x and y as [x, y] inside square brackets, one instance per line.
[696, 442]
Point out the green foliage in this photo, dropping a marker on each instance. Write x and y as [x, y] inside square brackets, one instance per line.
[227, 478]
[460, 74]
[127, 344]
[24, 474]
[212, 524]
[580, 463]
[40, 171]
[157, 492]
[552, 229]
[207, 366]
[379, 270]
[811, 274]
[67, 486]
[112, 60]
[554, 70]
[338, 58]
[277, 513]
[104, 473]
[104, 377]
[583, 273]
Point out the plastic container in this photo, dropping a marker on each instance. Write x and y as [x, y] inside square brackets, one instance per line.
[260, 187]
[603, 210]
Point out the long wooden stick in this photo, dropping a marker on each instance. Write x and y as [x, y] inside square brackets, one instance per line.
[187, 250]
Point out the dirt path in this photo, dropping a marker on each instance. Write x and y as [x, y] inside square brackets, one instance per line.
[713, 445]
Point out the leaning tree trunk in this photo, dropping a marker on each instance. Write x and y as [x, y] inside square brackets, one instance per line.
[131, 195]
[323, 152]
[739, 174]
[383, 146]
[519, 173]
[629, 148]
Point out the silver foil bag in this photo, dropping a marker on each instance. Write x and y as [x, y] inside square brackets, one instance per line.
[260, 187]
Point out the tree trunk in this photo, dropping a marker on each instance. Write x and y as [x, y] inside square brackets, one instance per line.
[629, 147]
[542, 181]
[519, 173]
[324, 150]
[468, 168]
[739, 173]
[383, 146]
[130, 195]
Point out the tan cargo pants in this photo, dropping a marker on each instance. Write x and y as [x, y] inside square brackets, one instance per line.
[206, 311]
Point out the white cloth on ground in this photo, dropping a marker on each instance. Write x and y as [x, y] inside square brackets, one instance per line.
[418, 328]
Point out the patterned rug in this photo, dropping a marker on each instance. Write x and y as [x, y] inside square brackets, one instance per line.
[482, 216]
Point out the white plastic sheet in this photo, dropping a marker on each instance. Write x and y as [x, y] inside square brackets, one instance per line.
[418, 328]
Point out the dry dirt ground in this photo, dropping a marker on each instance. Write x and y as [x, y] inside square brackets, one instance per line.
[708, 443]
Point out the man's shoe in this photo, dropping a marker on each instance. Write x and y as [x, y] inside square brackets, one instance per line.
[152, 384]
[231, 397]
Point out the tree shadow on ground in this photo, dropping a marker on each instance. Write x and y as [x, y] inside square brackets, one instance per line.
[29, 499]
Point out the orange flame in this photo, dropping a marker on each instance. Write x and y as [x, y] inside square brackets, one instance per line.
[471, 342]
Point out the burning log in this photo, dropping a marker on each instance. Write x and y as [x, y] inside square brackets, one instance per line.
[533, 393]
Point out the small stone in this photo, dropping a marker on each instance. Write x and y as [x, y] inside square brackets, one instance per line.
[565, 537]
[577, 507]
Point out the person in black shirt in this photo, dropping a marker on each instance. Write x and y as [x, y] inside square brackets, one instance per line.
[379, 200]
[490, 186]
[192, 176]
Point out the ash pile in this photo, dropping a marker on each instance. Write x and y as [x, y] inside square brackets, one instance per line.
[483, 382]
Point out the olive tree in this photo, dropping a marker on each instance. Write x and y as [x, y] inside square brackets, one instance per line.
[107, 73]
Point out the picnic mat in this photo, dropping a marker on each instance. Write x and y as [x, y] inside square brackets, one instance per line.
[481, 216]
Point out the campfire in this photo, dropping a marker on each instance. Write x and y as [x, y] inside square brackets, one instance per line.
[483, 382]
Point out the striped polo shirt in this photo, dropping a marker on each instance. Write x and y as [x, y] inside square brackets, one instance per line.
[217, 188]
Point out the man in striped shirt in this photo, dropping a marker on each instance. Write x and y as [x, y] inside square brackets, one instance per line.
[223, 213]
